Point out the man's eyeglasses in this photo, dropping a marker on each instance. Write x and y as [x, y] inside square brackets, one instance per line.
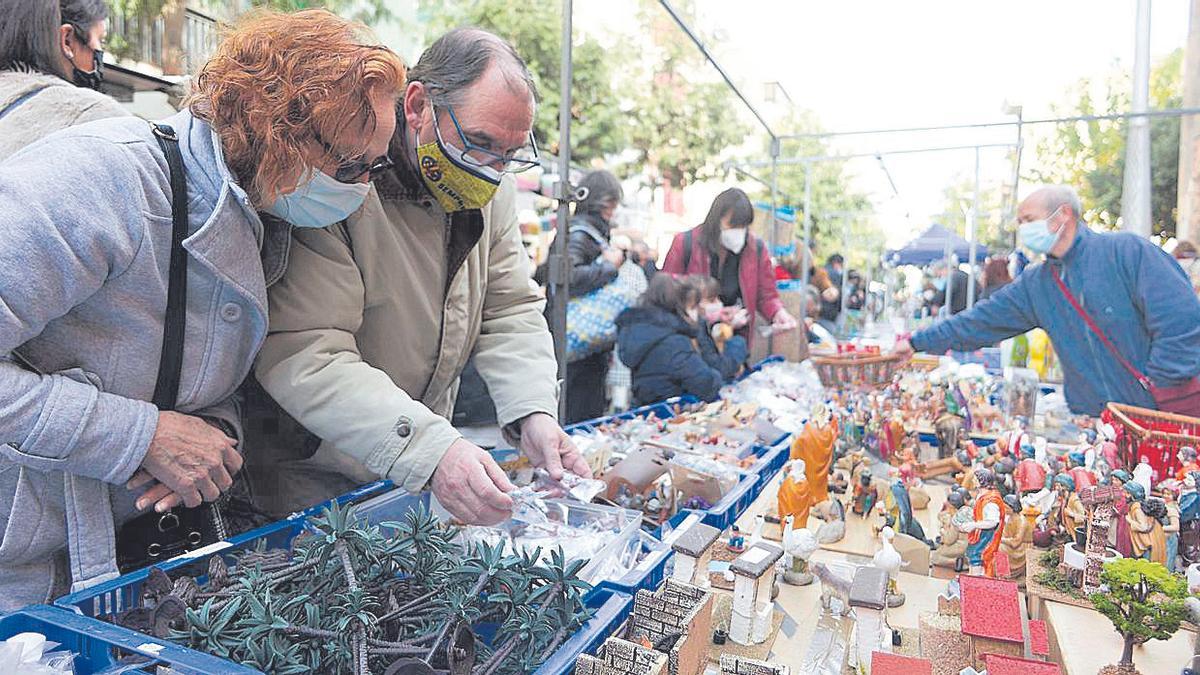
[350, 170]
[473, 154]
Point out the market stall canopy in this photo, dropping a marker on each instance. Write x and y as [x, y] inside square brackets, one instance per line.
[931, 245]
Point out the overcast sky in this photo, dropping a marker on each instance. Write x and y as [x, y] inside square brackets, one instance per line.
[865, 65]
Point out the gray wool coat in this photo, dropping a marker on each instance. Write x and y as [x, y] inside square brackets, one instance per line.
[85, 229]
[33, 105]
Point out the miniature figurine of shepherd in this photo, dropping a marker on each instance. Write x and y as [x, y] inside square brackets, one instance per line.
[983, 533]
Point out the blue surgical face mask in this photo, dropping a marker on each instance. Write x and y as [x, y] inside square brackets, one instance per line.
[1036, 235]
[320, 202]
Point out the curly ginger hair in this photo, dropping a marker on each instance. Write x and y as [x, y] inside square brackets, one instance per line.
[279, 83]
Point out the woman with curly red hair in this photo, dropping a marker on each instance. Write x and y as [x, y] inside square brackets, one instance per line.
[133, 295]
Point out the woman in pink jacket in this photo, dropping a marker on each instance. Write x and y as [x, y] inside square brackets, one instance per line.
[723, 247]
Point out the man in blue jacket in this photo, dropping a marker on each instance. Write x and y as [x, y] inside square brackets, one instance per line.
[1137, 295]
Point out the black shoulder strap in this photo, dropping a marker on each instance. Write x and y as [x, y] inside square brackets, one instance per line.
[687, 250]
[170, 363]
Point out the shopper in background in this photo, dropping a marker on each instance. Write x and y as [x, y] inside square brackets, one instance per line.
[958, 280]
[376, 317]
[51, 65]
[86, 256]
[723, 247]
[645, 257]
[662, 342]
[831, 301]
[594, 264]
[1139, 299]
[1185, 254]
[995, 276]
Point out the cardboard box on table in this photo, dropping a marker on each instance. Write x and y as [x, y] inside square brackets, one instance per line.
[792, 345]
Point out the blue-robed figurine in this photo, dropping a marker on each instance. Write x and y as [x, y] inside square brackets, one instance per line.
[900, 510]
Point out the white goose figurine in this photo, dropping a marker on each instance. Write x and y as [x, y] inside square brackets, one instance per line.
[888, 558]
[798, 547]
[756, 536]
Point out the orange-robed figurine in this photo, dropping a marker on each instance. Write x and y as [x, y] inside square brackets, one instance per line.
[814, 445]
[983, 534]
[795, 498]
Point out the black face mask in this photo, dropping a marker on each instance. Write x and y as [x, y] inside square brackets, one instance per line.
[93, 79]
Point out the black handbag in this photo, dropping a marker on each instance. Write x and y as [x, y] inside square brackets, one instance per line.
[154, 537]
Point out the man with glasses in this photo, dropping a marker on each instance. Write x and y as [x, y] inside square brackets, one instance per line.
[375, 318]
[1146, 317]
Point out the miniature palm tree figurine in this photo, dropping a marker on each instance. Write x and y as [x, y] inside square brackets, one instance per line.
[1143, 601]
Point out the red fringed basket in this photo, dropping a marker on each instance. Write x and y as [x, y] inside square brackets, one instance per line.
[1152, 434]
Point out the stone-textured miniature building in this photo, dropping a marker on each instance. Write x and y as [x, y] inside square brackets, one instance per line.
[992, 617]
[868, 599]
[1010, 665]
[675, 608]
[738, 665]
[1100, 502]
[754, 578]
[689, 547]
[886, 663]
[620, 657]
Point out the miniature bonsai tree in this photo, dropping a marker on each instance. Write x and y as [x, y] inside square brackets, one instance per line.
[1143, 600]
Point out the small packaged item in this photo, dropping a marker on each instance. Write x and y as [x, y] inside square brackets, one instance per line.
[32, 654]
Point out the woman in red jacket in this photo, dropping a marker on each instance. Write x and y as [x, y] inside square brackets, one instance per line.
[723, 247]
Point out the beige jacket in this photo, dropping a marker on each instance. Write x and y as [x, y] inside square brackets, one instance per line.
[368, 337]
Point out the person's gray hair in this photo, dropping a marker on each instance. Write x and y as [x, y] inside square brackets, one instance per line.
[457, 60]
[1057, 196]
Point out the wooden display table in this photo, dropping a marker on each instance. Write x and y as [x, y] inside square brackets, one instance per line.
[1084, 642]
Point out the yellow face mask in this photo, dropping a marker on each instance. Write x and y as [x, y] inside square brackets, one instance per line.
[456, 185]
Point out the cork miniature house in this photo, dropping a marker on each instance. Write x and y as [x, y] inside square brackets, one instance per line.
[738, 665]
[754, 578]
[868, 599]
[942, 639]
[676, 620]
[690, 546]
[621, 657]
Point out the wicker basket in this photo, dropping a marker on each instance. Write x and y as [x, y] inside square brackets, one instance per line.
[1153, 434]
[854, 370]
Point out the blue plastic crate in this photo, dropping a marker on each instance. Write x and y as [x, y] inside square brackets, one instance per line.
[98, 645]
[771, 463]
[664, 410]
[612, 608]
[354, 496]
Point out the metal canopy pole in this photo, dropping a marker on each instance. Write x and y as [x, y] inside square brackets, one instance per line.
[972, 225]
[812, 260]
[845, 273]
[559, 266]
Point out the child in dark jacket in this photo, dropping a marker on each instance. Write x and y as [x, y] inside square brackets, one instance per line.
[668, 348]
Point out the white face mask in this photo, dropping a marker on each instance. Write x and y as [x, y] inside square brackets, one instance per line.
[694, 314]
[734, 239]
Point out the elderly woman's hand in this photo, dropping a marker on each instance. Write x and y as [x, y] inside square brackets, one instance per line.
[191, 459]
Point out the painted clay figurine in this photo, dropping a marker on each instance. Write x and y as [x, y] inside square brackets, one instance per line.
[984, 532]
[898, 510]
[737, 541]
[865, 494]
[814, 445]
[951, 543]
[794, 498]
[1143, 474]
[1083, 477]
[1071, 512]
[1123, 535]
[1187, 462]
[1147, 539]
[833, 516]
[798, 544]
[1171, 528]
[1030, 474]
[889, 560]
[1017, 536]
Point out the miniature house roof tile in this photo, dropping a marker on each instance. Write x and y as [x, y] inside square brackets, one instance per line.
[1039, 639]
[991, 608]
[696, 539]
[869, 588]
[1011, 665]
[757, 560]
[885, 663]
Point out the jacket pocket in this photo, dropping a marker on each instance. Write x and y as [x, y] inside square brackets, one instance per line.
[30, 529]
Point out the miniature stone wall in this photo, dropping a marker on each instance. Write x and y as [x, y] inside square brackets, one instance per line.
[737, 665]
[620, 657]
[675, 608]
